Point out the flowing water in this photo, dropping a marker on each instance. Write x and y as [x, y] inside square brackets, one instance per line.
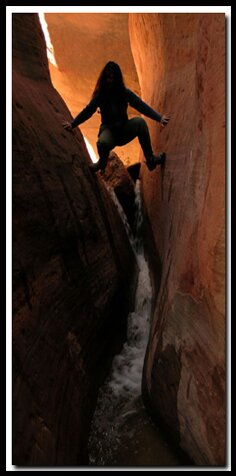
[122, 434]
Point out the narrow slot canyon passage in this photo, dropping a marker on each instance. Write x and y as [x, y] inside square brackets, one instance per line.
[119, 276]
[121, 434]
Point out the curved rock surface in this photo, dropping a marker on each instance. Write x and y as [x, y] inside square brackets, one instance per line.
[72, 268]
[180, 59]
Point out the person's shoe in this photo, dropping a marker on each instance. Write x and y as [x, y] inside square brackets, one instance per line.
[95, 167]
[155, 160]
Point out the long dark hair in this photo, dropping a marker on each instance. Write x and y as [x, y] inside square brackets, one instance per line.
[118, 85]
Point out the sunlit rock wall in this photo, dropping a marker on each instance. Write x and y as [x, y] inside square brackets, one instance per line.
[180, 60]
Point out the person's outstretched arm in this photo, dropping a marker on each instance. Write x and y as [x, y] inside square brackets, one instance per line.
[137, 103]
[83, 116]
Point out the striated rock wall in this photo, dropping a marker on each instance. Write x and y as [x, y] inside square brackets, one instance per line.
[72, 268]
[180, 60]
[83, 43]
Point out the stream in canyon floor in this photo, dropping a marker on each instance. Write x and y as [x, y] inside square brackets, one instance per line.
[122, 434]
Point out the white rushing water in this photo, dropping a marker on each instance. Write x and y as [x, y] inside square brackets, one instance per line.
[120, 396]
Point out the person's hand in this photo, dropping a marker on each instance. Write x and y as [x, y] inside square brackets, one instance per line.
[67, 125]
[164, 120]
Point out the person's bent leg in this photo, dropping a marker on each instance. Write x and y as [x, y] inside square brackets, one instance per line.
[137, 127]
[105, 143]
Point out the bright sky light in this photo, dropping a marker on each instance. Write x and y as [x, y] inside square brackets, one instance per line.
[50, 49]
[91, 150]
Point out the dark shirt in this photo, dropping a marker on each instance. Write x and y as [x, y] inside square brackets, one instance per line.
[114, 112]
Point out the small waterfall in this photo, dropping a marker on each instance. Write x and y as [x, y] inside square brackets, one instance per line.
[120, 396]
[122, 434]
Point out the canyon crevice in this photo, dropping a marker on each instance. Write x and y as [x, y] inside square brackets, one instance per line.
[180, 60]
[74, 272]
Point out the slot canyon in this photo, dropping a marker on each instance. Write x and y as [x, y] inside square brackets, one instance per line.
[75, 272]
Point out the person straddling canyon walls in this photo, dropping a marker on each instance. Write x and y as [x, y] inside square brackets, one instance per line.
[112, 98]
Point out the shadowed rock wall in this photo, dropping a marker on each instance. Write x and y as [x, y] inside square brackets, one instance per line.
[73, 268]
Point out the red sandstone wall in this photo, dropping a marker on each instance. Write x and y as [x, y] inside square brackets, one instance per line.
[72, 267]
[180, 60]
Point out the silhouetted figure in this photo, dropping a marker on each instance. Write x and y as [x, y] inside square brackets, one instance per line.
[112, 98]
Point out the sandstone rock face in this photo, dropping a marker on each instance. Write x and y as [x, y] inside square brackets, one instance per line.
[72, 268]
[118, 179]
[83, 43]
[180, 61]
